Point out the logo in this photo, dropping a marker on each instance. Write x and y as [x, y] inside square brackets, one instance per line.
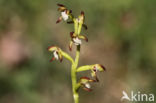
[138, 96]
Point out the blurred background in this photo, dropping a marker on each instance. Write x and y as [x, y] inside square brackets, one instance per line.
[121, 37]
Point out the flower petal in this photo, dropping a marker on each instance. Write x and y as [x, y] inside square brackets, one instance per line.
[70, 22]
[52, 48]
[70, 45]
[81, 18]
[85, 26]
[83, 37]
[59, 19]
[61, 5]
[72, 34]
[99, 67]
[82, 13]
[52, 59]
[60, 56]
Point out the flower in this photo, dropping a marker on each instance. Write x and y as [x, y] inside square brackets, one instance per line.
[56, 55]
[76, 39]
[98, 67]
[95, 69]
[84, 81]
[65, 13]
[56, 52]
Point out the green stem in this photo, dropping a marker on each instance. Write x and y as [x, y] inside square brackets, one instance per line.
[77, 56]
[79, 29]
[74, 82]
[75, 25]
[73, 76]
[75, 85]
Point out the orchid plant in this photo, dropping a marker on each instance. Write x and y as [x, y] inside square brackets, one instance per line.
[76, 39]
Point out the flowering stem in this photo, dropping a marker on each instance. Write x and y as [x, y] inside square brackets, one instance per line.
[75, 85]
[76, 39]
[73, 76]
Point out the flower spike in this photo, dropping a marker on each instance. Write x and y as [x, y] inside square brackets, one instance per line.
[76, 38]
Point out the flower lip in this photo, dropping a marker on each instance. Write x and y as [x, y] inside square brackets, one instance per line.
[56, 55]
[77, 41]
[64, 15]
[87, 85]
